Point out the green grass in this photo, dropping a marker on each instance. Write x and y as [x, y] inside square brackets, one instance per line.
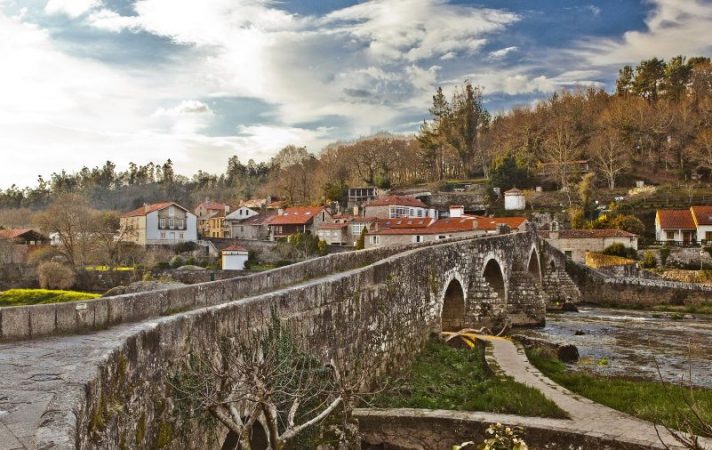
[650, 400]
[19, 297]
[107, 268]
[443, 377]
[261, 267]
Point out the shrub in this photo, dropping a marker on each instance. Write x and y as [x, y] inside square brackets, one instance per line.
[628, 223]
[621, 250]
[184, 247]
[177, 261]
[361, 242]
[664, 255]
[53, 275]
[322, 248]
[648, 260]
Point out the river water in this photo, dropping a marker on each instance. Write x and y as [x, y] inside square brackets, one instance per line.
[633, 343]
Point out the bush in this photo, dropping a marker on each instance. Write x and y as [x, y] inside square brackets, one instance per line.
[177, 261]
[664, 255]
[184, 247]
[361, 242]
[621, 250]
[628, 223]
[322, 248]
[53, 275]
[648, 261]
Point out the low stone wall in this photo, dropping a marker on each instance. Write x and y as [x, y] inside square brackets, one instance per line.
[421, 429]
[18, 276]
[29, 322]
[598, 288]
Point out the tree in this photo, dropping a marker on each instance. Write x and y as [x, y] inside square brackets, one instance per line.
[628, 223]
[269, 379]
[70, 217]
[649, 76]
[624, 83]
[610, 156]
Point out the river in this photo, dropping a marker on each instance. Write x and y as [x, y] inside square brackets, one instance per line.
[629, 343]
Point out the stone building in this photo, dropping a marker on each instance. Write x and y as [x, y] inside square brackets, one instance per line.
[254, 228]
[396, 206]
[298, 220]
[575, 243]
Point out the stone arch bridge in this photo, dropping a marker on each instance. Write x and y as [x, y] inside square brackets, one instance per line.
[93, 374]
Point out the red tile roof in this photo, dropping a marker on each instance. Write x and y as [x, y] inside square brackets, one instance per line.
[449, 225]
[490, 223]
[589, 234]
[234, 248]
[143, 210]
[702, 215]
[676, 219]
[405, 222]
[397, 200]
[297, 216]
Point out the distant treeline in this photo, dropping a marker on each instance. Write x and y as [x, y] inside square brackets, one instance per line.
[656, 126]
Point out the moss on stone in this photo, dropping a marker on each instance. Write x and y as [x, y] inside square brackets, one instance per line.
[97, 421]
[164, 436]
[141, 430]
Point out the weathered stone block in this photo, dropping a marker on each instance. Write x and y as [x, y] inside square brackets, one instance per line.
[15, 323]
[42, 319]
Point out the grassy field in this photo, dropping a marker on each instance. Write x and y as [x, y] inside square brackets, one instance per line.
[443, 377]
[19, 297]
[660, 403]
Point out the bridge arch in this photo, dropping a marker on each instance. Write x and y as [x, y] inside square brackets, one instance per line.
[452, 314]
[534, 266]
[493, 273]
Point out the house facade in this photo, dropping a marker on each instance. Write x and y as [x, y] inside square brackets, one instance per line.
[395, 206]
[298, 220]
[684, 226]
[360, 195]
[234, 257]
[254, 228]
[345, 230]
[165, 223]
[576, 243]
[207, 210]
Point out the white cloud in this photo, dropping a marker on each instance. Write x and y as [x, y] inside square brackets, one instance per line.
[501, 53]
[106, 19]
[70, 8]
[673, 27]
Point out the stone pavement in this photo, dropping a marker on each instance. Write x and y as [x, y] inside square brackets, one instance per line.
[586, 416]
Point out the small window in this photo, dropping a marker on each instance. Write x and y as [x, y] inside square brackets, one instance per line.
[568, 253]
[163, 235]
[670, 235]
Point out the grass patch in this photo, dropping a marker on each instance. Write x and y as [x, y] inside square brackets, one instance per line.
[443, 377]
[107, 268]
[19, 297]
[261, 267]
[650, 400]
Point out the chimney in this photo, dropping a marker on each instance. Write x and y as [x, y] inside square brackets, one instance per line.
[280, 211]
[457, 210]
[355, 211]
[554, 233]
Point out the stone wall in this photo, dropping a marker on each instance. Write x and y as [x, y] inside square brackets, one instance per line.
[380, 314]
[601, 289]
[18, 276]
[419, 429]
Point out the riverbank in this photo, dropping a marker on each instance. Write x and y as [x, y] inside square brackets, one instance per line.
[673, 406]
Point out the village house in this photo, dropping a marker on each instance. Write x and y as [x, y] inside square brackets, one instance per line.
[359, 195]
[395, 206]
[684, 226]
[345, 230]
[415, 230]
[298, 220]
[207, 210]
[217, 227]
[234, 257]
[18, 243]
[253, 228]
[165, 223]
[575, 243]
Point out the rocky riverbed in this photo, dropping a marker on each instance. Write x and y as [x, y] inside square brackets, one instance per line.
[635, 343]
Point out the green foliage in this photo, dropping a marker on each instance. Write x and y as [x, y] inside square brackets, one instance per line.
[648, 260]
[443, 377]
[361, 242]
[322, 248]
[19, 297]
[649, 400]
[628, 223]
[184, 247]
[307, 245]
[577, 218]
[507, 173]
[336, 192]
[618, 249]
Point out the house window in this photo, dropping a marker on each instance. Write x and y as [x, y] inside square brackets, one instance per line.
[398, 211]
[418, 238]
[420, 212]
[441, 237]
[375, 240]
[163, 235]
[670, 235]
[568, 253]
[357, 228]
[180, 236]
[242, 229]
[163, 223]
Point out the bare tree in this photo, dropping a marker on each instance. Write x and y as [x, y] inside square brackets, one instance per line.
[270, 381]
[609, 155]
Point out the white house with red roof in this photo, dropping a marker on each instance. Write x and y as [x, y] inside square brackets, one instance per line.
[298, 220]
[166, 223]
[684, 226]
[234, 257]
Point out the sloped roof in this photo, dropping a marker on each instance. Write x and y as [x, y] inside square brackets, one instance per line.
[143, 210]
[490, 223]
[513, 191]
[213, 206]
[405, 222]
[589, 234]
[449, 225]
[676, 219]
[702, 215]
[397, 200]
[21, 232]
[262, 218]
[297, 216]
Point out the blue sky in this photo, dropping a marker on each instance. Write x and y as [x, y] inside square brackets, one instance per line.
[84, 81]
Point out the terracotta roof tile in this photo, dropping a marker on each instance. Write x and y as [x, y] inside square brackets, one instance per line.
[677, 219]
[702, 215]
[234, 248]
[297, 216]
[143, 210]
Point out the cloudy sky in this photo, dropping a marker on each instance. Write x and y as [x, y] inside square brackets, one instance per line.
[83, 81]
